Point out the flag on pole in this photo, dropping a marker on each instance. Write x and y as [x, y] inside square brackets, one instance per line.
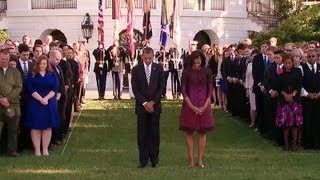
[176, 28]
[115, 16]
[130, 4]
[115, 9]
[146, 25]
[164, 22]
[100, 23]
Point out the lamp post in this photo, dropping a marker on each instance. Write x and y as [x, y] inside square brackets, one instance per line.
[87, 27]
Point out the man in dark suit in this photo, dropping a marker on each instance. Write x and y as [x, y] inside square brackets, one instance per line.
[270, 97]
[147, 85]
[311, 101]
[25, 66]
[55, 58]
[259, 64]
[66, 99]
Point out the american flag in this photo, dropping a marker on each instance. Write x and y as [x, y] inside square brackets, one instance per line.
[100, 23]
[130, 4]
[147, 29]
[164, 22]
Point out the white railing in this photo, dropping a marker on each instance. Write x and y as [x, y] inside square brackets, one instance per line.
[138, 4]
[204, 5]
[54, 4]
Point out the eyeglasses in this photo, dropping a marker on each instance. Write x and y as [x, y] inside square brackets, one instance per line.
[311, 56]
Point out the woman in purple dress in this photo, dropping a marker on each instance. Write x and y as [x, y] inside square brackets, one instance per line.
[42, 112]
[289, 110]
[196, 114]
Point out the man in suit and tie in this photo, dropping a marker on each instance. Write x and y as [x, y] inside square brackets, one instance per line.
[147, 85]
[259, 63]
[10, 87]
[55, 58]
[311, 101]
[24, 65]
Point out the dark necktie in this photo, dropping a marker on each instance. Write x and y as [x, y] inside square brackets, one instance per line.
[265, 60]
[25, 69]
[312, 68]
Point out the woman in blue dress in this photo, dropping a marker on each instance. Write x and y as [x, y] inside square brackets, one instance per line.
[42, 113]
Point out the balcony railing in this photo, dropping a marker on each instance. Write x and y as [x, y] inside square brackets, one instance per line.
[203, 5]
[138, 4]
[3, 5]
[54, 4]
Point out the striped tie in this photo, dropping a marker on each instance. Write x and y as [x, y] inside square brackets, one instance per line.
[25, 69]
[147, 70]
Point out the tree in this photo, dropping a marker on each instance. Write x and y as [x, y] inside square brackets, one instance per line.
[305, 26]
[3, 36]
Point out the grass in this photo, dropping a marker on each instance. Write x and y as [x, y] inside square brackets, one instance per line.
[103, 146]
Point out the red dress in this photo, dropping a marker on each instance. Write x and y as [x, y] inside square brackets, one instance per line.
[197, 85]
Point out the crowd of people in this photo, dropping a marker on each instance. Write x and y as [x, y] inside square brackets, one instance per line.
[42, 84]
[276, 87]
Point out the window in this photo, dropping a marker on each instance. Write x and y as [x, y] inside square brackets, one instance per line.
[203, 5]
[138, 4]
[54, 4]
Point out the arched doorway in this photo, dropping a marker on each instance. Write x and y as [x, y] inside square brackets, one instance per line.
[56, 35]
[206, 37]
[124, 41]
[137, 36]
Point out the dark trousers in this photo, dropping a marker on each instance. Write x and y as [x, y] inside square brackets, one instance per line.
[231, 98]
[260, 111]
[271, 131]
[101, 79]
[175, 83]
[12, 128]
[57, 133]
[148, 138]
[69, 104]
[311, 123]
[166, 76]
[24, 138]
[116, 84]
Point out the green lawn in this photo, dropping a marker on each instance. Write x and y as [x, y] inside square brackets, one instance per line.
[103, 146]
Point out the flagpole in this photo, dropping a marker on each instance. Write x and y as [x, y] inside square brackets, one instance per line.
[100, 23]
[130, 16]
[115, 16]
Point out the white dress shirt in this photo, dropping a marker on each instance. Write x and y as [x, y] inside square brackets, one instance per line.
[304, 93]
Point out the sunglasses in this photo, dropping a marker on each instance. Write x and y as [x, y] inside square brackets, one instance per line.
[311, 56]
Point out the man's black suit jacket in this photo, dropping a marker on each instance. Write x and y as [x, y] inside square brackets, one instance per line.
[258, 69]
[144, 92]
[23, 93]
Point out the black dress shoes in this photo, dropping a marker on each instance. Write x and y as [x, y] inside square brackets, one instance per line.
[154, 165]
[13, 154]
[142, 165]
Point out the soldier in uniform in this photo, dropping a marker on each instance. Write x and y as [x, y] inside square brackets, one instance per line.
[116, 58]
[163, 57]
[10, 88]
[101, 69]
[174, 66]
